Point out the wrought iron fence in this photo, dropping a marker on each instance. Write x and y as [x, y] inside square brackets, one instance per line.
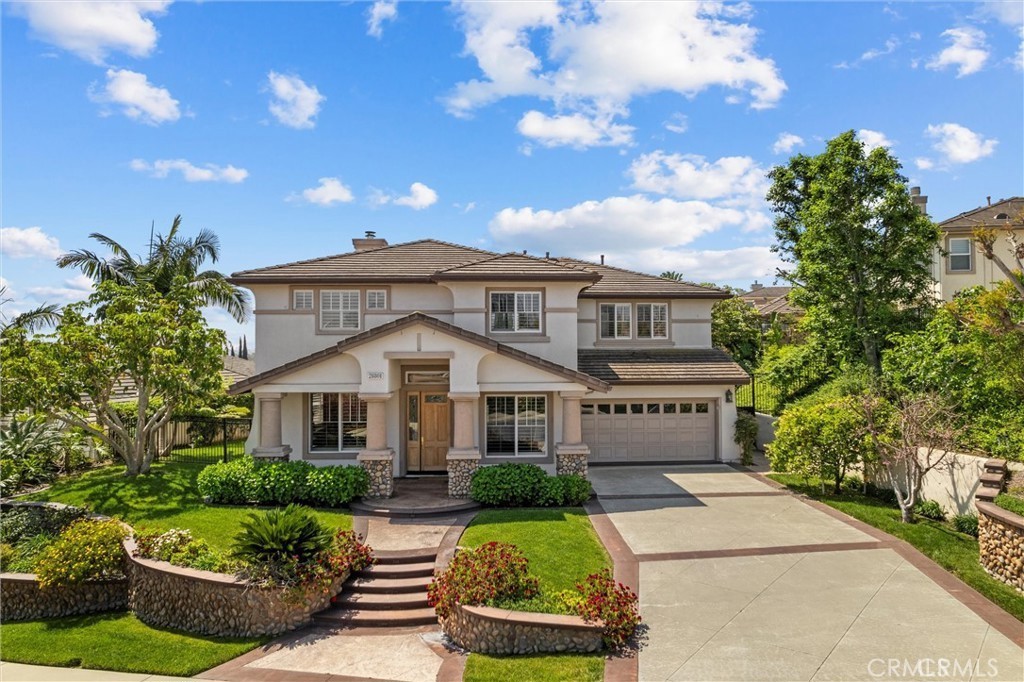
[771, 395]
[203, 439]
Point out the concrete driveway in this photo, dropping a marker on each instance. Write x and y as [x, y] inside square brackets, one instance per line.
[741, 581]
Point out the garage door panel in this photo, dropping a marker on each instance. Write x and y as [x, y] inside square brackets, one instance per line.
[655, 430]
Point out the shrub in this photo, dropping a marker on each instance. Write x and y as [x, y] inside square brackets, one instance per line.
[507, 485]
[21, 523]
[335, 486]
[567, 490]
[745, 435]
[1010, 503]
[7, 556]
[281, 482]
[228, 482]
[930, 509]
[88, 549]
[612, 603]
[491, 573]
[177, 546]
[966, 523]
[277, 537]
[886, 495]
[34, 450]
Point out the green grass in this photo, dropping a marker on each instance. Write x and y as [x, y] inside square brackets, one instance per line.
[955, 552]
[560, 544]
[536, 668]
[1011, 503]
[236, 448]
[117, 641]
[163, 499]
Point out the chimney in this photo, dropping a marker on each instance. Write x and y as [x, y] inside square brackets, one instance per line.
[919, 200]
[370, 241]
[756, 285]
[547, 255]
[989, 197]
[602, 259]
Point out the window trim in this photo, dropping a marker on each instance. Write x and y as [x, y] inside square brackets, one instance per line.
[546, 453]
[384, 293]
[341, 422]
[652, 337]
[341, 328]
[616, 306]
[516, 293]
[312, 300]
[949, 256]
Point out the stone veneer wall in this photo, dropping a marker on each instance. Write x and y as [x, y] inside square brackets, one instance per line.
[21, 598]
[460, 476]
[487, 630]
[1001, 543]
[382, 477]
[571, 463]
[210, 603]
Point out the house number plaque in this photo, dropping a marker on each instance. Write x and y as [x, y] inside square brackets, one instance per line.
[375, 375]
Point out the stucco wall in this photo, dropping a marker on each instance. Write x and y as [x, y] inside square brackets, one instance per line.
[690, 322]
[985, 272]
[765, 429]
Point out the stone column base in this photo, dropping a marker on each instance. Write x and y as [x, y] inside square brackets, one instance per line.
[461, 465]
[380, 465]
[571, 459]
[280, 453]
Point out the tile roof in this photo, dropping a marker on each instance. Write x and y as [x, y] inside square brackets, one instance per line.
[663, 366]
[986, 215]
[403, 322]
[518, 266]
[619, 282]
[779, 305]
[766, 293]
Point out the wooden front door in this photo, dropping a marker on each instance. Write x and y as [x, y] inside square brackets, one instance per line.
[429, 431]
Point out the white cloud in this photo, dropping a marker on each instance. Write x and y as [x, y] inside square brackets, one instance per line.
[575, 130]
[380, 12]
[786, 143]
[598, 57]
[891, 45]
[967, 51]
[924, 163]
[959, 144]
[137, 98]
[330, 191]
[873, 139]
[1008, 12]
[94, 29]
[677, 123]
[294, 103]
[28, 242]
[75, 289]
[734, 180]
[208, 172]
[419, 197]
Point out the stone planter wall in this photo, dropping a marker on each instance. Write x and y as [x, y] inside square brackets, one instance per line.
[487, 630]
[1001, 543]
[571, 463]
[460, 475]
[21, 598]
[210, 603]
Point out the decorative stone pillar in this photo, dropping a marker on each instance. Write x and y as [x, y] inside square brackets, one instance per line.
[571, 454]
[377, 458]
[463, 457]
[270, 428]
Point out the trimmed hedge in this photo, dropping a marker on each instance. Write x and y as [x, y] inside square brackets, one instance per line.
[245, 481]
[526, 485]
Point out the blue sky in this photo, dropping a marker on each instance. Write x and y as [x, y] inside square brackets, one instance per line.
[639, 131]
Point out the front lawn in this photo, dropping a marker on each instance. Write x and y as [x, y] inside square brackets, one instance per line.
[955, 552]
[165, 498]
[117, 641]
[546, 667]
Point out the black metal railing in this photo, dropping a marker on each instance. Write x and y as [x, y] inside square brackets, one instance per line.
[203, 439]
[771, 394]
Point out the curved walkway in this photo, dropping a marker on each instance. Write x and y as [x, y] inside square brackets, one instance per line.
[739, 580]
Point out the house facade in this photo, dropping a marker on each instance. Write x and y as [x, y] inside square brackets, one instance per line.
[429, 357]
[959, 264]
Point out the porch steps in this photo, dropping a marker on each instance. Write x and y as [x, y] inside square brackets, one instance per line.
[391, 593]
[386, 508]
[992, 481]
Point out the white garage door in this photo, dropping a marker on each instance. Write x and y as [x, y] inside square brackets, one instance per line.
[652, 430]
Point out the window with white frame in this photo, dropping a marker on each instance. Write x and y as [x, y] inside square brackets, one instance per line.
[339, 309]
[337, 421]
[302, 299]
[515, 311]
[960, 255]
[516, 425]
[616, 321]
[651, 321]
[377, 299]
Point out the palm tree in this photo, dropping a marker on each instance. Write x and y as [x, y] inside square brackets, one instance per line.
[45, 315]
[673, 275]
[170, 256]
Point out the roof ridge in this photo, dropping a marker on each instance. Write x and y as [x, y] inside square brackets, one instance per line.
[970, 211]
[644, 274]
[517, 254]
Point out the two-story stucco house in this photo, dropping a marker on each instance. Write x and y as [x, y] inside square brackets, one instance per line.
[431, 357]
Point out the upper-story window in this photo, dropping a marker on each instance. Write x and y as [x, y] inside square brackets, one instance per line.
[651, 321]
[302, 299]
[339, 309]
[515, 311]
[377, 299]
[960, 255]
[616, 321]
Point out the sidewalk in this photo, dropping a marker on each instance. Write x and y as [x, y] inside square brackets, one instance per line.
[18, 672]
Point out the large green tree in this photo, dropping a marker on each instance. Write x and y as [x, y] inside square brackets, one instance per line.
[736, 328]
[157, 340]
[170, 256]
[861, 251]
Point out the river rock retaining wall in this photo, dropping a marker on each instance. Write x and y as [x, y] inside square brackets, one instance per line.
[487, 630]
[216, 604]
[21, 598]
[1001, 543]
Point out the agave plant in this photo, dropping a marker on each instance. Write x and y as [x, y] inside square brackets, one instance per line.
[281, 536]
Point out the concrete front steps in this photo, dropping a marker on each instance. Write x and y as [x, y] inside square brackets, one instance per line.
[391, 593]
[993, 480]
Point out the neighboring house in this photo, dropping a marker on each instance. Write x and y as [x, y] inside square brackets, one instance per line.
[770, 301]
[959, 264]
[427, 353]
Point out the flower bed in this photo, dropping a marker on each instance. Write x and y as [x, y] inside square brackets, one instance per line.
[1001, 543]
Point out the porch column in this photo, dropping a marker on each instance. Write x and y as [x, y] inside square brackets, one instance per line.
[571, 453]
[464, 456]
[377, 458]
[270, 428]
